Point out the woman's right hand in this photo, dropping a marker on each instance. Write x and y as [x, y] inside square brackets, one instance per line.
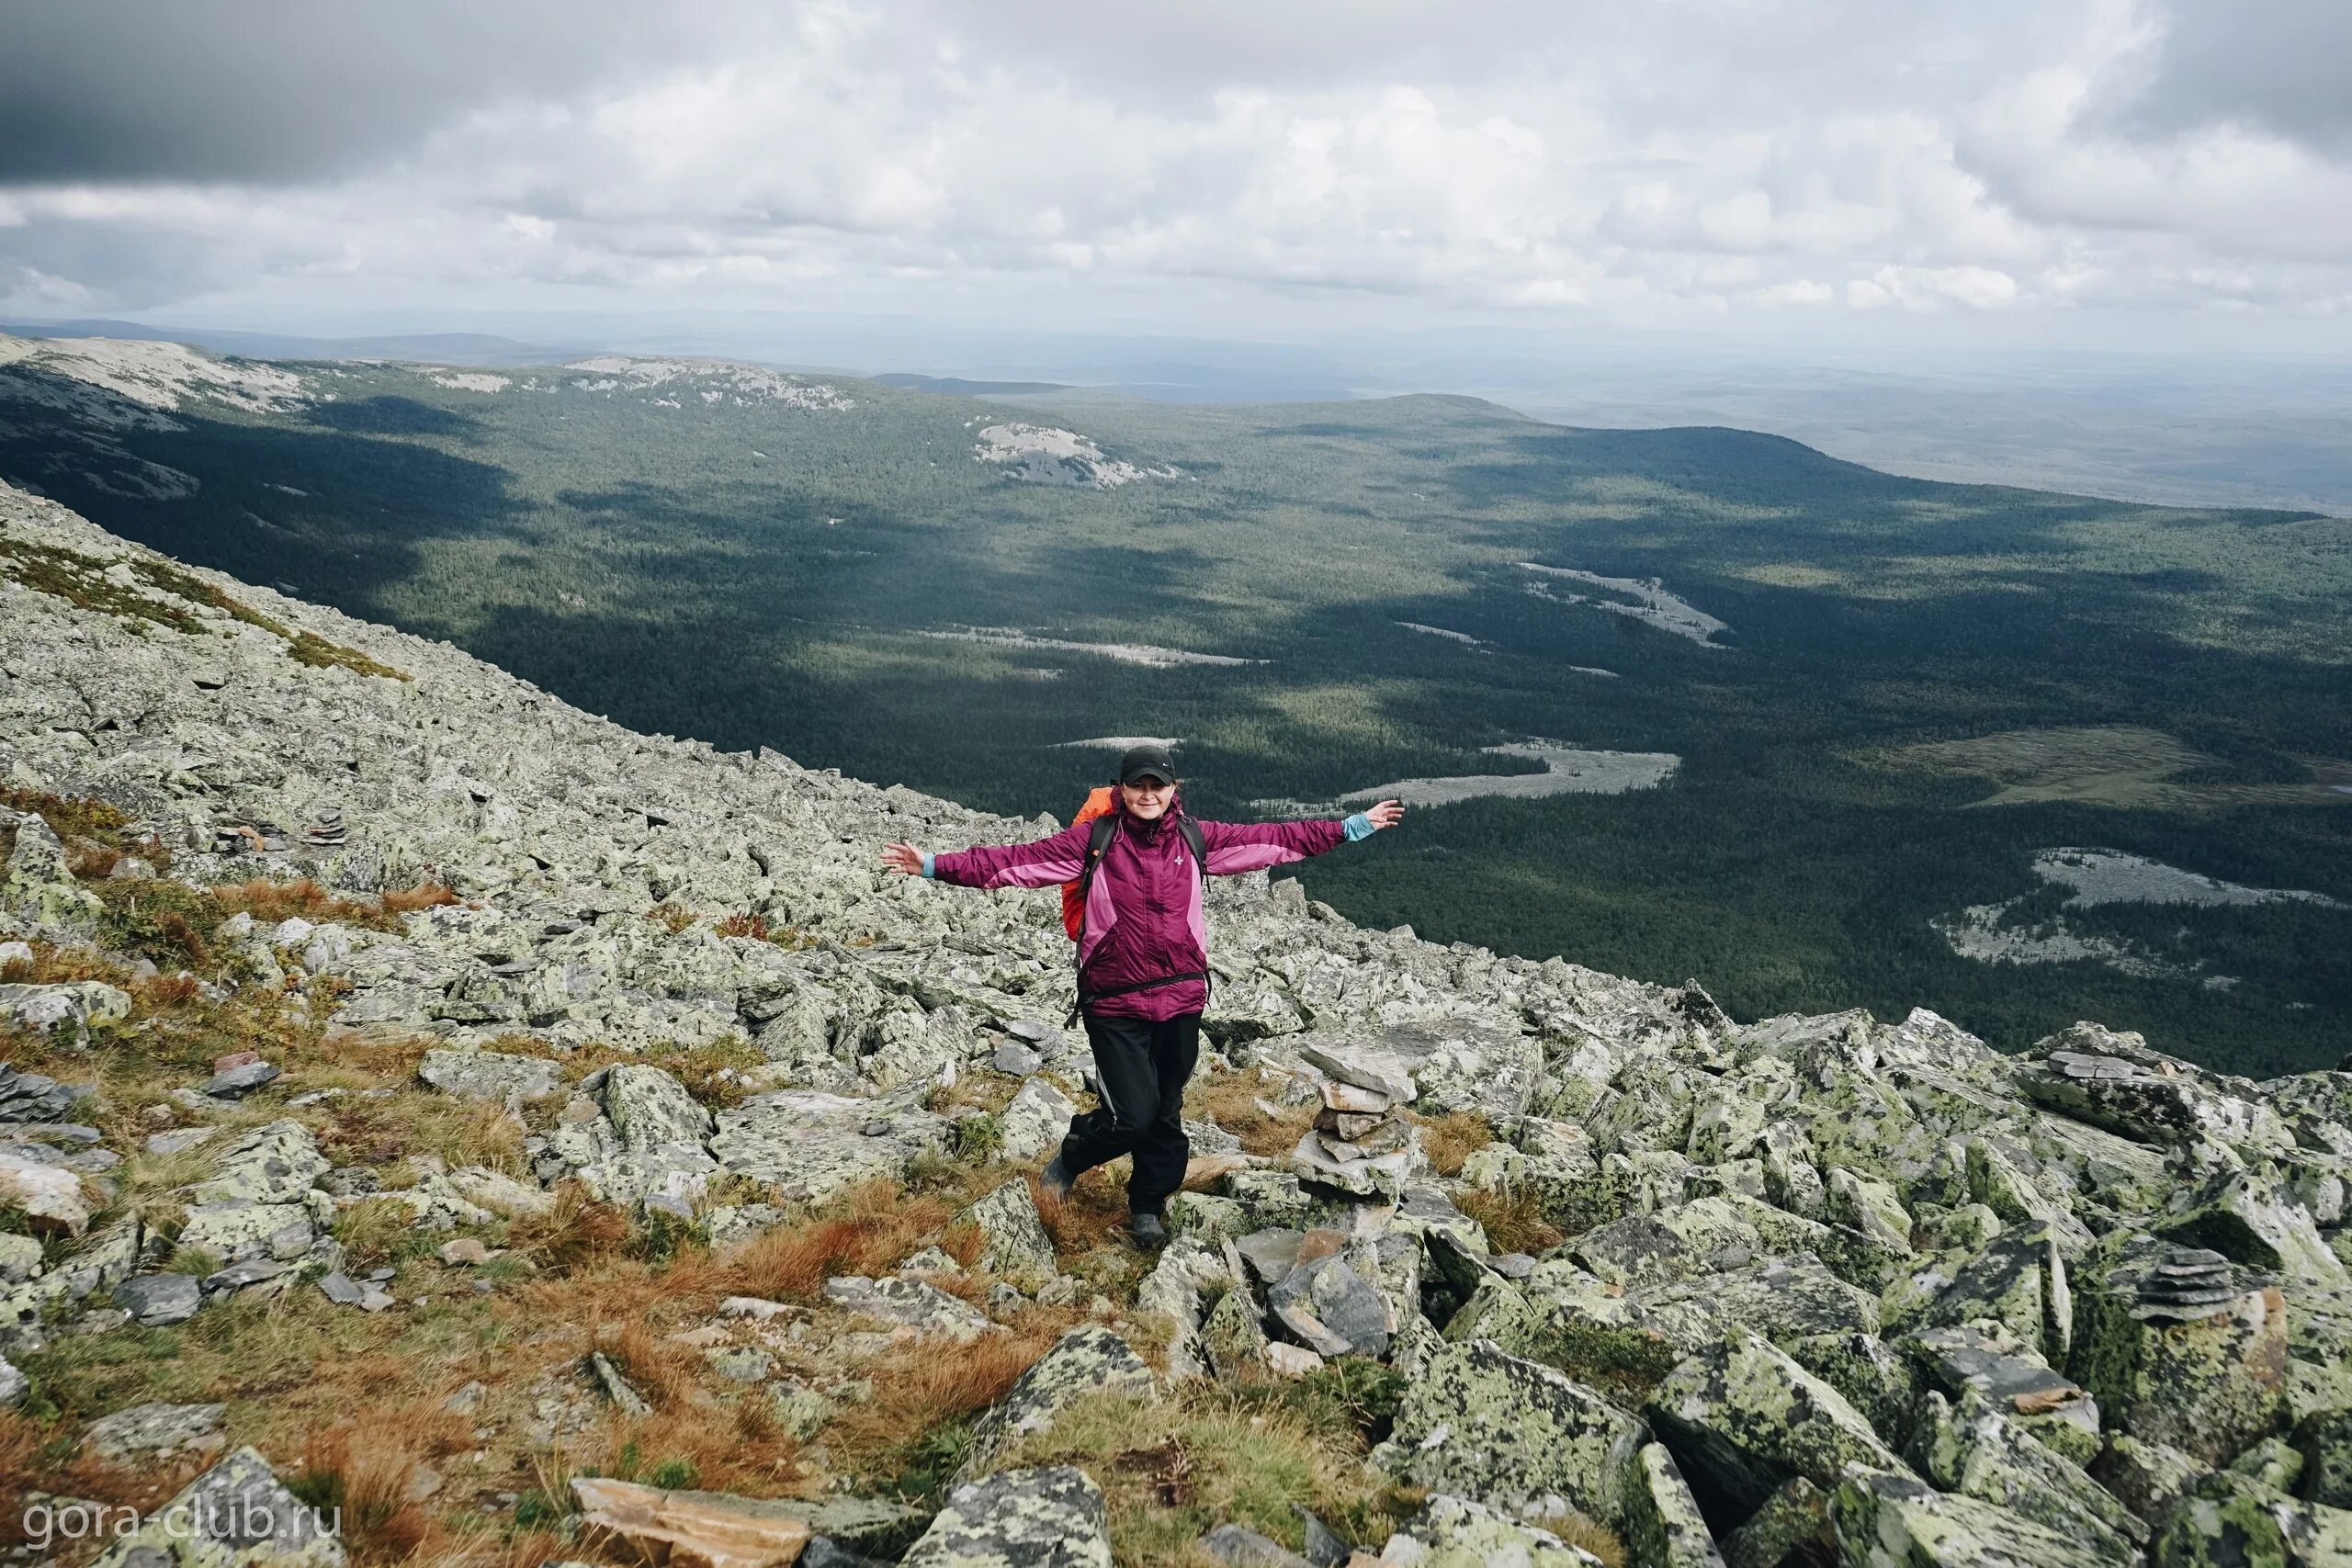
[903, 858]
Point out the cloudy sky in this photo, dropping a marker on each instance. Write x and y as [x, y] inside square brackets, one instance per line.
[1998, 169]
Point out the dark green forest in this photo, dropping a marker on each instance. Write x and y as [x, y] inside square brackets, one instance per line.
[692, 559]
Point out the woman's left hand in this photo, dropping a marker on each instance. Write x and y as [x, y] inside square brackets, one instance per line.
[1387, 814]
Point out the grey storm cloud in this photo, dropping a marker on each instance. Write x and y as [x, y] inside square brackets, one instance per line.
[2283, 65]
[1682, 161]
[271, 91]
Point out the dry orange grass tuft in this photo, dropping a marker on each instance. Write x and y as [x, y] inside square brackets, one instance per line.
[423, 895]
[1452, 1138]
[879, 1224]
[1238, 1102]
[577, 1234]
[1514, 1220]
[1591, 1536]
[1089, 1217]
[917, 1390]
[366, 1465]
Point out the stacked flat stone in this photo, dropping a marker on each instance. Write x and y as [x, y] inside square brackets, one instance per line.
[1360, 1143]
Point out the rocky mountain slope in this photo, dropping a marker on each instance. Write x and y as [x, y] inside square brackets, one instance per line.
[523, 1139]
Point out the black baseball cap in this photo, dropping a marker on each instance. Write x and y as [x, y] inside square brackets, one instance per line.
[1148, 761]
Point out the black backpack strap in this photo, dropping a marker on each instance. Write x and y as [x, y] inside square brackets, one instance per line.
[1191, 831]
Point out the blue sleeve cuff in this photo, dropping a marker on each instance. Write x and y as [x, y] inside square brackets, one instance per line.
[1358, 827]
[926, 864]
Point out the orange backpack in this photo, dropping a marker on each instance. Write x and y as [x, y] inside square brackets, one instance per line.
[1098, 804]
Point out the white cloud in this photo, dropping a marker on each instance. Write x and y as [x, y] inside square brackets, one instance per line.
[1686, 161]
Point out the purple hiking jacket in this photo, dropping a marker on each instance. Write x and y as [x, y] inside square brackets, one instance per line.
[1144, 915]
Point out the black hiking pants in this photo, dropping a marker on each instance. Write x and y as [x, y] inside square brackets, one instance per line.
[1140, 1071]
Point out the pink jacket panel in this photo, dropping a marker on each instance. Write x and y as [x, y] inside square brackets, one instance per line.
[1143, 911]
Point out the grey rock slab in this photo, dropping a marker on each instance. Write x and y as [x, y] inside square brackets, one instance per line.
[1333, 1310]
[1743, 1416]
[1896, 1520]
[814, 1147]
[71, 1007]
[1087, 1359]
[1974, 1448]
[276, 1163]
[1663, 1525]
[1454, 1532]
[160, 1300]
[1035, 1122]
[1492, 1427]
[34, 1097]
[240, 1081]
[488, 1075]
[1013, 1242]
[152, 1429]
[1052, 1517]
[650, 1109]
[910, 1305]
[1240, 1547]
[616, 1387]
[236, 1512]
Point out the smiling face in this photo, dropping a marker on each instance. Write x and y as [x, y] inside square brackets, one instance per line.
[1147, 798]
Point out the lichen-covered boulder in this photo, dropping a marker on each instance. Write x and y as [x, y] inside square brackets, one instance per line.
[1018, 1518]
[1662, 1523]
[235, 1513]
[1233, 1336]
[813, 1146]
[2111, 1079]
[73, 1007]
[1791, 1527]
[2326, 1443]
[2249, 1218]
[2229, 1520]
[1088, 1359]
[1743, 1416]
[1013, 1242]
[1454, 1532]
[2019, 1281]
[2179, 1347]
[1481, 1423]
[1870, 1207]
[1896, 1520]
[1871, 1375]
[1708, 1237]
[2147, 1477]
[920, 1310]
[274, 1163]
[1037, 1120]
[488, 1075]
[46, 1195]
[1973, 1449]
[1564, 1317]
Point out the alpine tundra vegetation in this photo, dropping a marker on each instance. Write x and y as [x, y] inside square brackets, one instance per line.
[479, 1133]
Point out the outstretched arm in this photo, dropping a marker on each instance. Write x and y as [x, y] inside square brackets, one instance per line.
[1056, 858]
[1236, 846]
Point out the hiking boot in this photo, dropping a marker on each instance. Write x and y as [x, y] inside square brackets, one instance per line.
[1055, 1180]
[1149, 1230]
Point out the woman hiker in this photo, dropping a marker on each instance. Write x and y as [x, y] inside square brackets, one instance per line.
[1142, 957]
